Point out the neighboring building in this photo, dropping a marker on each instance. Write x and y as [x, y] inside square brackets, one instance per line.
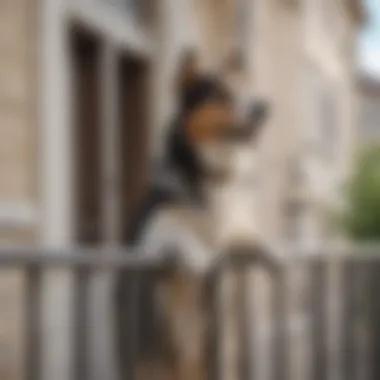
[369, 111]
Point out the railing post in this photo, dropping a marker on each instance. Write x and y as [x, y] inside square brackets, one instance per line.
[81, 328]
[244, 326]
[281, 330]
[215, 331]
[349, 348]
[133, 321]
[374, 320]
[318, 317]
[128, 287]
[367, 318]
[33, 296]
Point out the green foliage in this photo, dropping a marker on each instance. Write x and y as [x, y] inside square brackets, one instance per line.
[362, 219]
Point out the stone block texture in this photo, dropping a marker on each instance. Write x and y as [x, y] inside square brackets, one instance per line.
[17, 99]
[17, 163]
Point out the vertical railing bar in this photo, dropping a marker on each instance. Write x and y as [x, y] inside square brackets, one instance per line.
[281, 327]
[215, 331]
[374, 320]
[318, 310]
[133, 321]
[371, 320]
[33, 314]
[244, 327]
[361, 299]
[348, 346]
[81, 328]
[366, 297]
[123, 314]
[251, 322]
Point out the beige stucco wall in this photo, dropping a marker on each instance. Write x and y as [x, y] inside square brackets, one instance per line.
[17, 101]
[17, 108]
[17, 165]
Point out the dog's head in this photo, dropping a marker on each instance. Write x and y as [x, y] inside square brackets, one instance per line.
[213, 124]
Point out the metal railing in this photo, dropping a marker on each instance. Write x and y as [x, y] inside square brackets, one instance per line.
[328, 301]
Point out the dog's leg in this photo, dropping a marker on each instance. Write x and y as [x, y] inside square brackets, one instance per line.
[182, 298]
[192, 339]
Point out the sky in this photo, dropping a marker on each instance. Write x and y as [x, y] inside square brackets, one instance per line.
[370, 39]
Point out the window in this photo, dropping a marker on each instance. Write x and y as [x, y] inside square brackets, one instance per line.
[110, 156]
[297, 171]
[294, 215]
[328, 121]
[322, 119]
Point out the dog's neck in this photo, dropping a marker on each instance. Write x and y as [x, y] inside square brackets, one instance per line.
[230, 204]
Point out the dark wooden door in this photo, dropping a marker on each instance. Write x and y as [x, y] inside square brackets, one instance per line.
[85, 59]
[133, 96]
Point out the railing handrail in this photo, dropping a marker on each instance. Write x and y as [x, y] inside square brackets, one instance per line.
[124, 257]
[365, 251]
[97, 258]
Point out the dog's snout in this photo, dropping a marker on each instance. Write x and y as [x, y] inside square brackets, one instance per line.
[251, 125]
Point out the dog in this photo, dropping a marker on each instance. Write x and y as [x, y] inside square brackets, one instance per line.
[180, 214]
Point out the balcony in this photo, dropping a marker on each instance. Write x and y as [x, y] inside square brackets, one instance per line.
[321, 315]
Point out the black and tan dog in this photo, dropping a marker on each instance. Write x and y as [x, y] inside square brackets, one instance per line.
[177, 215]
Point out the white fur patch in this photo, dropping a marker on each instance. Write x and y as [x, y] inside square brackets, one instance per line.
[174, 230]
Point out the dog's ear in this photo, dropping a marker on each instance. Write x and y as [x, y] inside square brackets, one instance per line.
[188, 70]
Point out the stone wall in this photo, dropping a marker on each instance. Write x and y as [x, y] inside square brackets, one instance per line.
[17, 100]
[17, 164]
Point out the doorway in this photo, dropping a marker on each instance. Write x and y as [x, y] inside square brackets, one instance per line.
[85, 60]
[131, 148]
[134, 137]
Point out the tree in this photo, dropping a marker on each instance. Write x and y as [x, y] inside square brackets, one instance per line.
[362, 217]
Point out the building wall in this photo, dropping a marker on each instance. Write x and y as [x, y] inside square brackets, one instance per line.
[18, 172]
[18, 175]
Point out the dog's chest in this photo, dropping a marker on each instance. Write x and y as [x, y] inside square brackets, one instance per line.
[234, 205]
